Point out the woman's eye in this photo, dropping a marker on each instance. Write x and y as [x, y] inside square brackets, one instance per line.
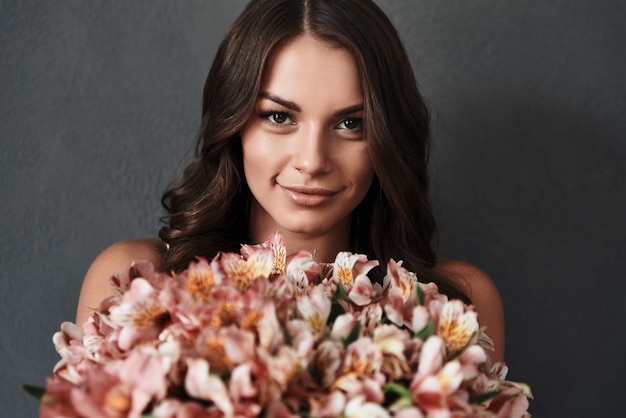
[278, 118]
[351, 124]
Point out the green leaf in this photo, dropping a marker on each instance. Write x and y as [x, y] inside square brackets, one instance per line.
[34, 391]
[336, 309]
[420, 293]
[353, 335]
[482, 397]
[401, 404]
[398, 389]
[340, 293]
[427, 331]
[287, 336]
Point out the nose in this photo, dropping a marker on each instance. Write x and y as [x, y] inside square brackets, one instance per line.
[310, 154]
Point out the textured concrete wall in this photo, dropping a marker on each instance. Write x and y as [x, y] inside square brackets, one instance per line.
[100, 103]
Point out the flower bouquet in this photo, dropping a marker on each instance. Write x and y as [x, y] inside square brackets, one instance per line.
[263, 334]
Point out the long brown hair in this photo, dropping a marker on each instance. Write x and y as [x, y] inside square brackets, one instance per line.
[208, 209]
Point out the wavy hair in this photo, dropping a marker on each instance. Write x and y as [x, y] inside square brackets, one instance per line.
[208, 209]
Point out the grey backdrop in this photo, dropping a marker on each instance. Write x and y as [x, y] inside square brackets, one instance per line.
[101, 102]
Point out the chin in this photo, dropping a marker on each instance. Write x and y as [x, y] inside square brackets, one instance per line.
[306, 226]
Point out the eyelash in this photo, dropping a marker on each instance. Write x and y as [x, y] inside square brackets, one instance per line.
[270, 114]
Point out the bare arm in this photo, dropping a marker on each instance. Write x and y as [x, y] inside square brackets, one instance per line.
[116, 258]
[485, 298]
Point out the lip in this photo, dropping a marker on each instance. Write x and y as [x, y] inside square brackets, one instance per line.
[309, 196]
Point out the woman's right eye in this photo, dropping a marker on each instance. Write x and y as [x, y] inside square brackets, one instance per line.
[276, 118]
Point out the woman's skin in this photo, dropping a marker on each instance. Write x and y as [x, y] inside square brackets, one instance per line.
[307, 166]
[304, 155]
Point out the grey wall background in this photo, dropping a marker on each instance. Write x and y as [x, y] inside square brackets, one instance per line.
[101, 102]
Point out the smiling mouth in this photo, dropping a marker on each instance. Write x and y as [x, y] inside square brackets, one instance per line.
[309, 196]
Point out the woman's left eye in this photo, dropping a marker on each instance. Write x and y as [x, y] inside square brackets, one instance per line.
[351, 124]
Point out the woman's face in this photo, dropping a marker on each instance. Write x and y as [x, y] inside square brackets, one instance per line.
[304, 156]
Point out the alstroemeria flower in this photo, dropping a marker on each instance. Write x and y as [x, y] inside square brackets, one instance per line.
[325, 362]
[201, 384]
[457, 326]
[268, 329]
[282, 366]
[143, 376]
[104, 396]
[315, 309]
[401, 304]
[390, 339]
[302, 338]
[173, 408]
[260, 333]
[351, 270]
[370, 317]
[301, 272]
[276, 244]
[331, 405]
[430, 361]
[342, 326]
[297, 283]
[303, 261]
[69, 344]
[120, 283]
[241, 273]
[471, 359]
[359, 408]
[510, 403]
[240, 385]
[140, 315]
[362, 358]
[410, 412]
[200, 278]
[56, 402]
[402, 279]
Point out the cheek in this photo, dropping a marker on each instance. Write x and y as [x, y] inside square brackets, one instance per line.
[254, 152]
[361, 169]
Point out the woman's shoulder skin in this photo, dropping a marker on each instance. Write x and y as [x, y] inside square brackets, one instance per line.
[485, 297]
[114, 259]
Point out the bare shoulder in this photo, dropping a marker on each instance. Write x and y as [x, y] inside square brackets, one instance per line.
[474, 281]
[114, 259]
[484, 296]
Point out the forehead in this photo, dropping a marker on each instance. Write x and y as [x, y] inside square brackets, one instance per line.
[308, 67]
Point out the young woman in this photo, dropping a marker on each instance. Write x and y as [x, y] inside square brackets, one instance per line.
[312, 126]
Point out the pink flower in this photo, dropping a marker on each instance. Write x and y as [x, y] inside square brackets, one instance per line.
[358, 407]
[302, 261]
[401, 298]
[314, 310]
[56, 401]
[143, 377]
[343, 326]
[200, 384]
[324, 365]
[351, 271]
[276, 244]
[265, 334]
[242, 272]
[431, 360]
[140, 316]
[457, 326]
[173, 408]
[331, 405]
[69, 344]
[391, 342]
[401, 279]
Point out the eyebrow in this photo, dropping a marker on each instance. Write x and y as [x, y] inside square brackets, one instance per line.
[293, 106]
